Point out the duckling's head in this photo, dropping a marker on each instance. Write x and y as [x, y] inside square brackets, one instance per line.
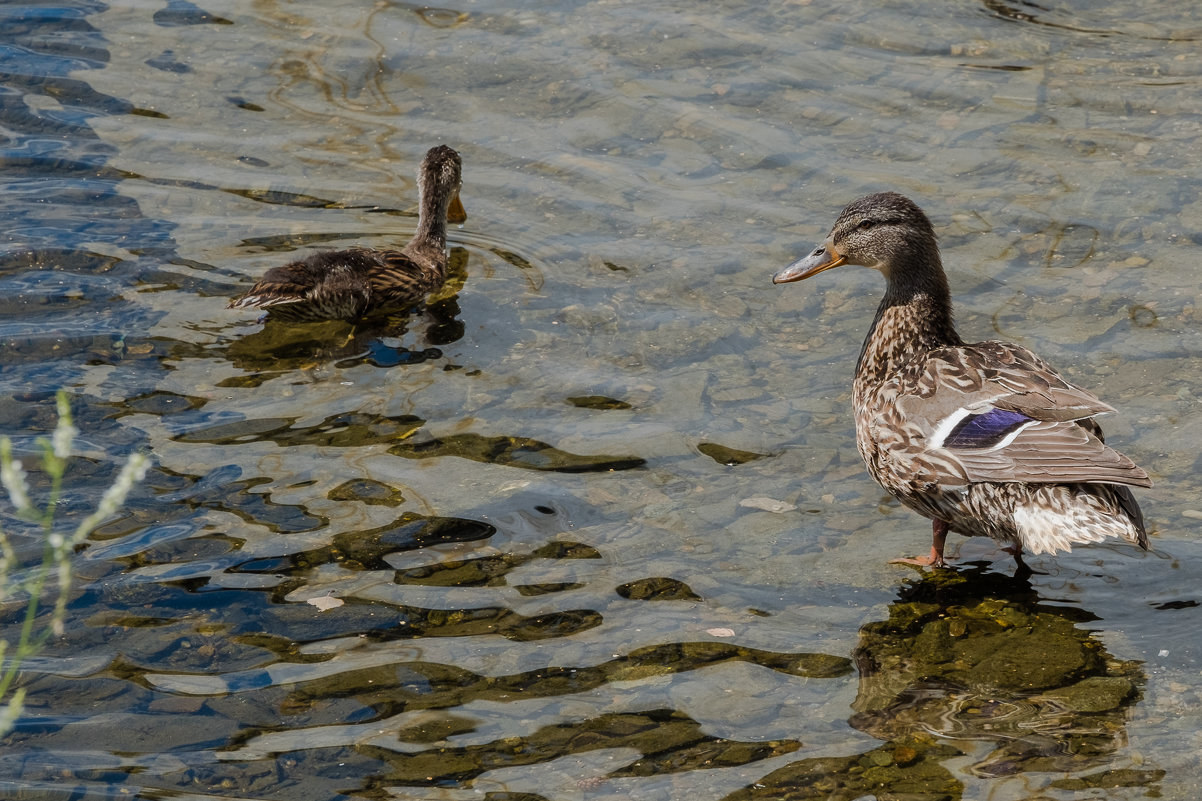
[439, 180]
[885, 231]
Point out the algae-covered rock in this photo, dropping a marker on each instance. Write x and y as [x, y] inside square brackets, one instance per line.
[976, 658]
[1095, 694]
[1038, 657]
[1106, 779]
[877, 774]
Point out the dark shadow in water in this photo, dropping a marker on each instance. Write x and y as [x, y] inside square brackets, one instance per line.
[148, 627]
[62, 208]
[429, 693]
[1092, 19]
[224, 489]
[182, 12]
[357, 429]
[491, 570]
[529, 454]
[161, 403]
[668, 740]
[515, 451]
[155, 625]
[730, 457]
[347, 430]
[30, 417]
[366, 550]
[973, 664]
[1037, 14]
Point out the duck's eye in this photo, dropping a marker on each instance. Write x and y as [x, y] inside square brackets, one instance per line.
[865, 225]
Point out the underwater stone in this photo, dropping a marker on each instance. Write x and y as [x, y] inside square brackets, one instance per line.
[1095, 694]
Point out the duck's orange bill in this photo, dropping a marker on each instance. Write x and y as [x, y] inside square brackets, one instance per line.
[456, 213]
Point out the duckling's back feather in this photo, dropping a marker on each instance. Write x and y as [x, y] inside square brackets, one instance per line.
[401, 279]
[326, 285]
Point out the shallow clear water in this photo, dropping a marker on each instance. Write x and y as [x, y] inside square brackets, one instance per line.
[596, 514]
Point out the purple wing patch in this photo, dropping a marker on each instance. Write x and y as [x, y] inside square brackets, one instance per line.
[985, 430]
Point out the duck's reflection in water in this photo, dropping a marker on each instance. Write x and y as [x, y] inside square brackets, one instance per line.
[973, 677]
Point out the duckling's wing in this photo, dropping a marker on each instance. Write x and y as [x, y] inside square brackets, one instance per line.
[401, 279]
[1000, 414]
[326, 285]
[278, 286]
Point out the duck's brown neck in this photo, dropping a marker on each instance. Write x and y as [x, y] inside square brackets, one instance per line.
[914, 318]
[428, 247]
[432, 226]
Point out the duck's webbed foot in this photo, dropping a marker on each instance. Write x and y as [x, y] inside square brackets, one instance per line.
[939, 529]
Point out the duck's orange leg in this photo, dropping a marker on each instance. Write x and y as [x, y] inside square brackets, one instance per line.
[939, 530]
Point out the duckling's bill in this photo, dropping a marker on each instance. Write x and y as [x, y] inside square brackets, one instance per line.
[823, 258]
[456, 213]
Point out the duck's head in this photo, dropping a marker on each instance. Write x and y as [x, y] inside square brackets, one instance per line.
[885, 231]
[439, 180]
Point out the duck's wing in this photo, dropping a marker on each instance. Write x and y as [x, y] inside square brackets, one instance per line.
[289, 283]
[997, 412]
[329, 284]
[403, 278]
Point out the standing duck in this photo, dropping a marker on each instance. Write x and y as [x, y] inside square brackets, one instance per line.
[984, 439]
[348, 284]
